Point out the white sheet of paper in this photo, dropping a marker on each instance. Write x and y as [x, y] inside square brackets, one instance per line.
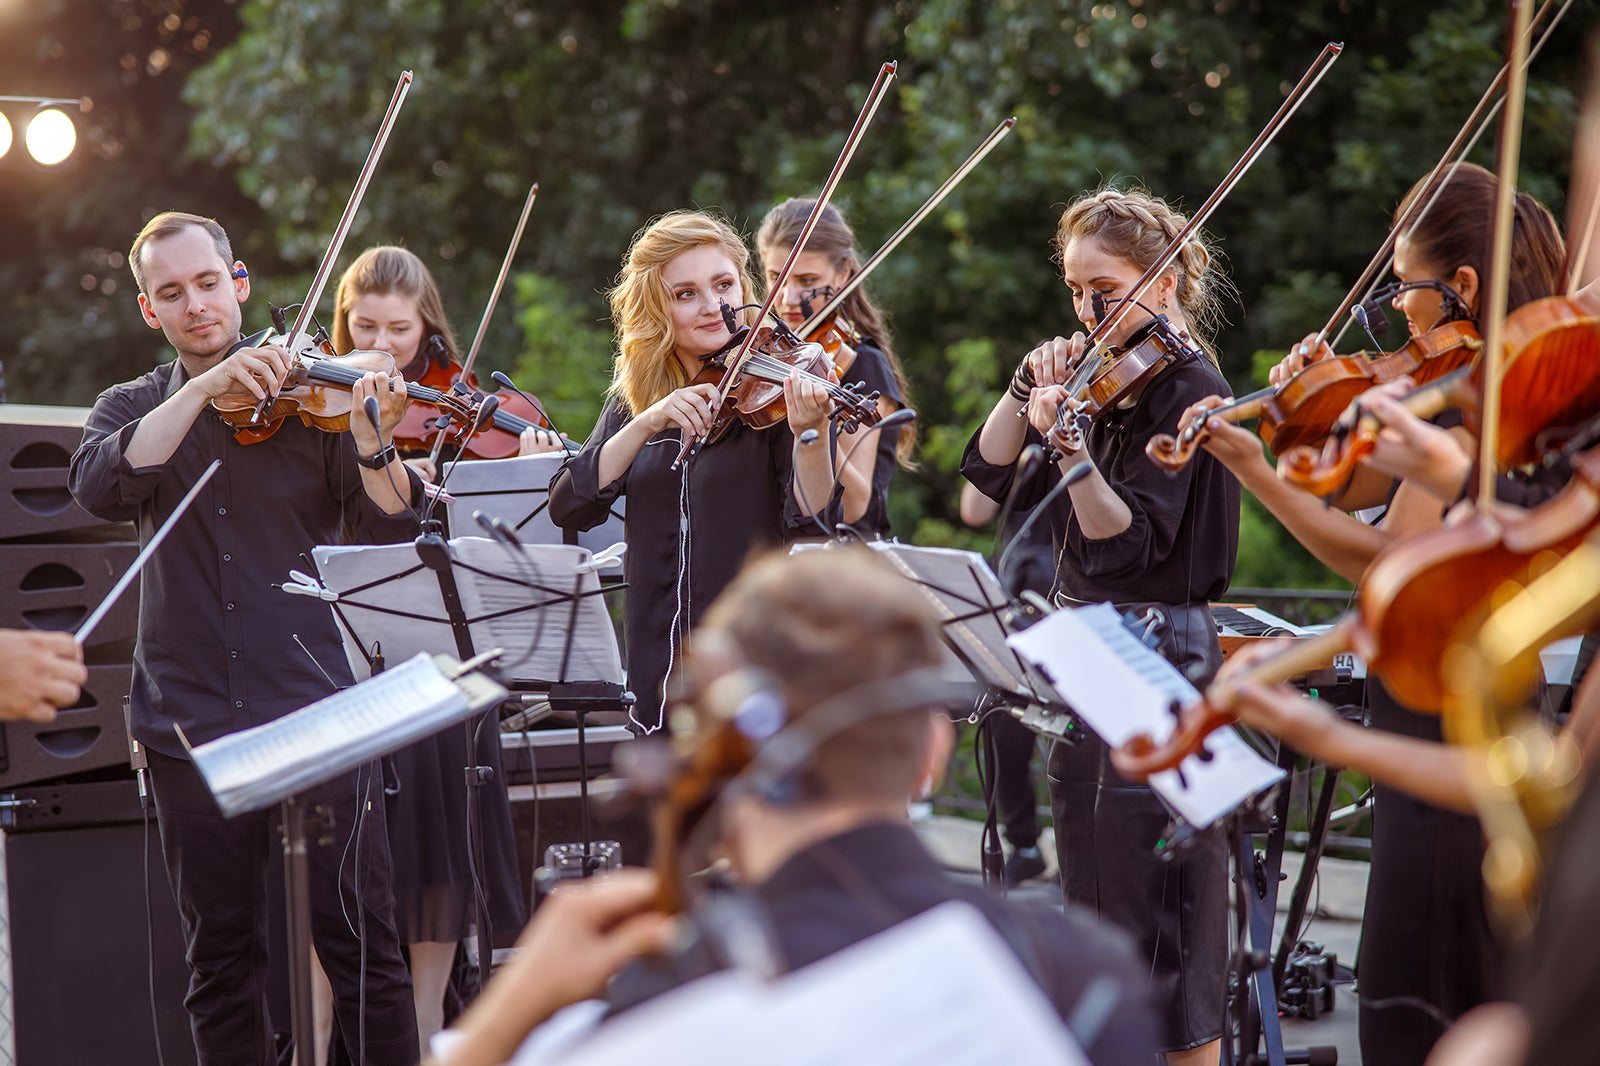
[938, 988]
[521, 627]
[518, 490]
[406, 702]
[1121, 688]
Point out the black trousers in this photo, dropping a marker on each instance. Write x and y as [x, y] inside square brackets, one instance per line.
[217, 868]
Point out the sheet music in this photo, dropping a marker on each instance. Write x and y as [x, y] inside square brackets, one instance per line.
[518, 490]
[532, 587]
[941, 987]
[958, 584]
[1121, 688]
[255, 767]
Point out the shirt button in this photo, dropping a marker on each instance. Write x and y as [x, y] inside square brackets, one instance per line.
[238, 703]
[227, 558]
[233, 655]
[230, 606]
[222, 510]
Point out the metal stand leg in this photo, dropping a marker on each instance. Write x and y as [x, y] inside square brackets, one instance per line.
[297, 891]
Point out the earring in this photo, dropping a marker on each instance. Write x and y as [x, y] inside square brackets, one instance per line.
[1163, 305]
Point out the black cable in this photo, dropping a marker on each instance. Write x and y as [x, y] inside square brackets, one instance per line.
[363, 800]
[150, 935]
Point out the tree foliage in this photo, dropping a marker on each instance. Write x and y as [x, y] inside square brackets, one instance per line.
[622, 109]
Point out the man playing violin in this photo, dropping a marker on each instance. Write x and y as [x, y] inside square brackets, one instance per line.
[220, 649]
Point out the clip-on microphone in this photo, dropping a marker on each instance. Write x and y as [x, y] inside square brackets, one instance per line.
[1369, 325]
[567, 443]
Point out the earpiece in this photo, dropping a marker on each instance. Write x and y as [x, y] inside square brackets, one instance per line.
[241, 273]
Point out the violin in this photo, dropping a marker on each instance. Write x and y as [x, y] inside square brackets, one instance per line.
[1305, 409]
[317, 391]
[1101, 384]
[1550, 385]
[755, 396]
[500, 438]
[1412, 600]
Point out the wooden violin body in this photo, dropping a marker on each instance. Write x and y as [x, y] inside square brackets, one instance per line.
[1412, 599]
[756, 394]
[1304, 410]
[501, 438]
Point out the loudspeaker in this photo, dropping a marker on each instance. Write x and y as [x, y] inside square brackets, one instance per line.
[86, 736]
[36, 445]
[56, 586]
[81, 964]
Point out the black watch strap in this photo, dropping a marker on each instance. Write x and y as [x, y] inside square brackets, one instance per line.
[381, 460]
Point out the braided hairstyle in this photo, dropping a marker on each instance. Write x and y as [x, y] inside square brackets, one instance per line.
[834, 238]
[1135, 226]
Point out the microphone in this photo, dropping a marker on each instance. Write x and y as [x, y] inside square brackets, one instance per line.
[898, 418]
[566, 442]
[370, 406]
[1072, 477]
[486, 410]
[1097, 304]
[1371, 327]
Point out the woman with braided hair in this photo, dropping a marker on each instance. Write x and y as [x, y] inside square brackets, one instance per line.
[1128, 533]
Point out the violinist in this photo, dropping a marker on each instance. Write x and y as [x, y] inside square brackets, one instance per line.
[1427, 948]
[866, 353]
[219, 649]
[1128, 533]
[388, 301]
[688, 525]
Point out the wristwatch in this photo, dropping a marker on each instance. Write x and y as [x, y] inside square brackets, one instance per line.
[382, 459]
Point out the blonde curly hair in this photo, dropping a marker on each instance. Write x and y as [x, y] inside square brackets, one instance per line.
[646, 367]
[1133, 225]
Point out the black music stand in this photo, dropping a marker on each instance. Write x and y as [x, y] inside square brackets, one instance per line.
[280, 761]
[400, 599]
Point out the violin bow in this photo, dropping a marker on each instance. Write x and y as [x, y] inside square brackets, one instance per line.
[880, 88]
[309, 307]
[1308, 81]
[1500, 265]
[1581, 224]
[950, 183]
[1479, 121]
[488, 311]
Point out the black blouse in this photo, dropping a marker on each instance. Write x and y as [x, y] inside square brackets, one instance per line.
[871, 369]
[1184, 535]
[729, 502]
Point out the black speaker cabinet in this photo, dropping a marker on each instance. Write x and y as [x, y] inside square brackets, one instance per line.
[56, 586]
[86, 736]
[36, 444]
[81, 964]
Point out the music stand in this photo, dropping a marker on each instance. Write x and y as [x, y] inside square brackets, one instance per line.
[396, 600]
[279, 761]
[518, 491]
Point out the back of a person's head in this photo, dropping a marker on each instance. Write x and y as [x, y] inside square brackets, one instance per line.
[823, 624]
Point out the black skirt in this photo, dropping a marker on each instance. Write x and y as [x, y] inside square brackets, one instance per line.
[428, 839]
[1106, 834]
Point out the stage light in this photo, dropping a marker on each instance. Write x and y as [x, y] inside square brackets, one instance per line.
[5, 136]
[51, 137]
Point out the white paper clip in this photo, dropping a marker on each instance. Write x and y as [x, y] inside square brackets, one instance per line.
[608, 559]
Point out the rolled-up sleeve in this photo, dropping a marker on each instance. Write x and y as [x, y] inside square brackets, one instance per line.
[576, 499]
[99, 477]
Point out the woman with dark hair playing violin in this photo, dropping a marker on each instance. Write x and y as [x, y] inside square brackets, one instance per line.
[388, 301]
[1427, 952]
[689, 525]
[1129, 533]
[866, 354]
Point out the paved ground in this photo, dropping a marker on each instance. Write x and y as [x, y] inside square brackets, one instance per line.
[1334, 920]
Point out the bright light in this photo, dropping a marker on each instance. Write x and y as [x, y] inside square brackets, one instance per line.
[51, 137]
[5, 136]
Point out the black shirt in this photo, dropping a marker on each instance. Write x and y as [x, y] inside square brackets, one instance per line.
[845, 889]
[735, 499]
[1184, 535]
[215, 651]
[872, 371]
